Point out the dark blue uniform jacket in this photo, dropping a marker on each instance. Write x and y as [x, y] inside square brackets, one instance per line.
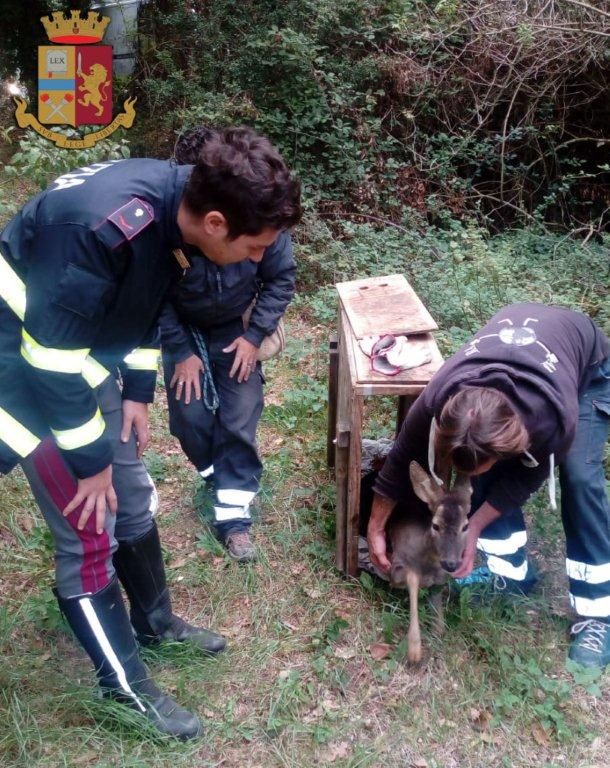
[85, 268]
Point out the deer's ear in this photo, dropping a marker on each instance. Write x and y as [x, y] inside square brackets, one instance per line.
[424, 485]
[462, 488]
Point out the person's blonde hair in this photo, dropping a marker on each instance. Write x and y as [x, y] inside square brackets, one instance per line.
[478, 424]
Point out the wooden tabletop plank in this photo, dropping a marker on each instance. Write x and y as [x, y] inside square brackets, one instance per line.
[377, 305]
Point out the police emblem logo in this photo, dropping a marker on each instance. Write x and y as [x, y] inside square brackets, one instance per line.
[75, 81]
[75, 85]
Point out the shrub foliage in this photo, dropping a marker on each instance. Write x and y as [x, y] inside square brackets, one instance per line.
[494, 107]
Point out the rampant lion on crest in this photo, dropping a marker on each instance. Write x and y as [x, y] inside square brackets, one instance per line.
[94, 87]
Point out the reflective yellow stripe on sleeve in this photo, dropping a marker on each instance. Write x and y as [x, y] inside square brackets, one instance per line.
[16, 436]
[94, 373]
[70, 439]
[12, 288]
[63, 360]
[143, 359]
[49, 359]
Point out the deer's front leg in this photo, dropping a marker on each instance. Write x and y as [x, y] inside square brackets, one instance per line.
[414, 635]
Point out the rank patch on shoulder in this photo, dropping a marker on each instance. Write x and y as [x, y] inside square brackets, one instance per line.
[132, 217]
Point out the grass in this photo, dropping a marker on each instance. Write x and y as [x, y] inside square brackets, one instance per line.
[299, 685]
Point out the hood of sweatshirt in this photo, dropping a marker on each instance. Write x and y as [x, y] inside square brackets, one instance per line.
[550, 417]
[540, 357]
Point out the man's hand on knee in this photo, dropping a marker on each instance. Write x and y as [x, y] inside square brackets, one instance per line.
[245, 358]
[187, 378]
[96, 493]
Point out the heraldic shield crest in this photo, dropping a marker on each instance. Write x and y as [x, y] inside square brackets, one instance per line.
[75, 80]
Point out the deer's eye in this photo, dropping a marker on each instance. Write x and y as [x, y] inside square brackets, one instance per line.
[436, 527]
[465, 528]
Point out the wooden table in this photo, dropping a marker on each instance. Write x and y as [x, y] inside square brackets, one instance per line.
[368, 307]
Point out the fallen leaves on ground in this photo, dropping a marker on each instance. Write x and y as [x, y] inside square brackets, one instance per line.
[419, 762]
[345, 653]
[540, 735]
[333, 752]
[380, 651]
[480, 718]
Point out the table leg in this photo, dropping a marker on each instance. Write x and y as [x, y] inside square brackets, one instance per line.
[342, 451]
[333, 376]
[353, 484]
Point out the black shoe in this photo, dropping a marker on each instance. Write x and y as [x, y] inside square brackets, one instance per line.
[177, 630]
[102, 627]
[139, 565]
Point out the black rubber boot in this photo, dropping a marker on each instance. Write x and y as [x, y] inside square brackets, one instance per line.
[102, 627]
[139, 565]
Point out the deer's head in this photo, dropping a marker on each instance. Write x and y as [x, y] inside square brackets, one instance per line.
[449, 513]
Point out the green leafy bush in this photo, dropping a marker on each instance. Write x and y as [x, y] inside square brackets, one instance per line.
[455, 108]
[461, 271]
[40, 160]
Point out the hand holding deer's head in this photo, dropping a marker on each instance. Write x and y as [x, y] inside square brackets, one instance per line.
[449, 514]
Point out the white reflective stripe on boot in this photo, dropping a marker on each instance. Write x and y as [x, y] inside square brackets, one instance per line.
[97, 629]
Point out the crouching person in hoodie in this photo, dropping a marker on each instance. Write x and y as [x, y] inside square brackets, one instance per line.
[530, 391]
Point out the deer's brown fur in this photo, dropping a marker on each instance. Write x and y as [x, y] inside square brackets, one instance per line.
[426, 549]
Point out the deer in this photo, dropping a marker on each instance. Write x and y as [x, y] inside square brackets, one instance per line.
[427, 549]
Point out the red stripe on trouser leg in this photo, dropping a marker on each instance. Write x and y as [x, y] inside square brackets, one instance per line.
[61, 487]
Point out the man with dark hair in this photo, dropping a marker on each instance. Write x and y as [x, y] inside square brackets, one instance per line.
[84, 269]
[529, 392]
[207, 348]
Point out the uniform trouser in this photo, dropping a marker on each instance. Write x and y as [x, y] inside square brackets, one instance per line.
[222, 444]
[585, 510]
[83, 559]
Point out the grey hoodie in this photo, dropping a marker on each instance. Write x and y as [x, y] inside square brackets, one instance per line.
[542, 359]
